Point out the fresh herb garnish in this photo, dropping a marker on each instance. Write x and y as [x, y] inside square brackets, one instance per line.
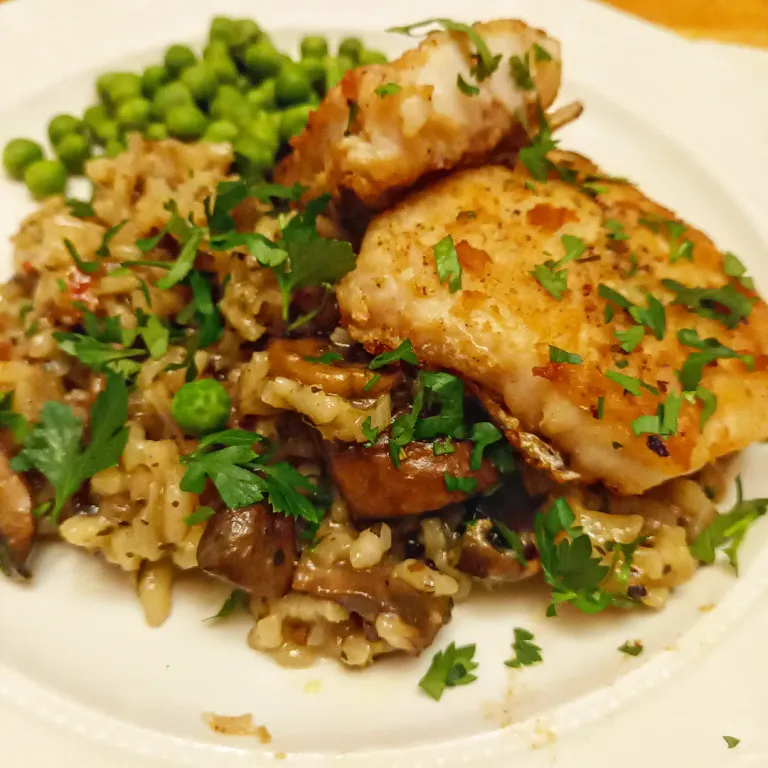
[600, 407]
[733, 267]
[388, 89]
[553, 279]
[200, 515]
[512, 540]
[726, 304]
[403, 426]
[11, 420]
[448, 266]
[80, 209]
[731, 741]
[403, 352]
[630, 384]
[541, 54]
[520, 71]
[664, 422]
[709, 350]
[447, 392]
[371, 383]
[615, 229]
[534, 156]
[55, 445]
[443, 447]
[87, 267]
[483, 434]
[238, 598]
[631, 338]
[103, 250]
[632, 648]
[328, 358]
[526, 652]
[449, 668]
[462, 484]
[370, 432]
[466, 88]
[557, 355]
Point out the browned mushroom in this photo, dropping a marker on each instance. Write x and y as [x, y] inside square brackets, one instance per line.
[251, 547]
[372, 591]
[17, 524]
[287, 357]
[479, 557]
[375, 488]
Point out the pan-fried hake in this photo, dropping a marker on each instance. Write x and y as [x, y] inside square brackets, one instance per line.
[583, 309]
[383, 127]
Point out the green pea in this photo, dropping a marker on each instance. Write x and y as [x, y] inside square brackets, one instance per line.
[114, 148]
[253, 157]
[95, 115]
[201, 82]
[265, 129]
[314, 47]
[315, 71]
[73, 150]
[294, 121]
[351, 47]
[220, 131]
[45, 178]
[226, 97]
[223, 68]
[61, 125]
[262, 60]
[201, 407]
[19, 154]
[215, 48]
[154, 77]
[292, 85]
[178, 58]
[133, 114]
[335, 69]
[223, 29]
[263, 96]
[246, 31]
[122, 86]
[105, 131]
[185, 122]
[157, 132]
[169, 96]
[372, 57]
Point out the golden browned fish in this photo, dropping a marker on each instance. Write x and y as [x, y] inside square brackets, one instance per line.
[385, 126]
[583, 339]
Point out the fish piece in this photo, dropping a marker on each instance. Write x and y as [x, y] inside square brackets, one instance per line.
[369, 146]
[495, 331]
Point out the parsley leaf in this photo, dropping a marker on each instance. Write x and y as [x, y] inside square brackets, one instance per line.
[403, 352]
[555, 280]
[512, 540]
[80, 209]
[466, 88]
[557, 355]
[520, 70]
[54, 445]
[732, 741]
[11, 420]
[733, 267]
[630, 383]
[200, 515]
[633, 648]
[87, 267]
[726, 304]
[371, 433]
[184, 262]
[447, 391]
[664, 423]
[403, 426]
[462, 484]
[615, 229]
[729, 528]
[483, 434]
[229, 194]
[710, 350]
[600, 407]
[534, 156]
[103, 250]
[448, 266]
[526, 652]
[328, 358]
[98, 355]
[541, 54]
[486, 63]
[443, 447]
[371, 383]
[238, 598]
[388, 89]
[631, 338]
[449, 668]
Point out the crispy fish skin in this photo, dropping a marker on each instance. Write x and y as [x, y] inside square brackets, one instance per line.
[496, 329]
[388, 142]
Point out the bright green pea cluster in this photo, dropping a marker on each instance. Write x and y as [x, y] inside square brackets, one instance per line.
[241, 91]
[201, 407]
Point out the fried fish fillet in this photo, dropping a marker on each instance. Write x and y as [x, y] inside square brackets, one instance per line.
[372, 144]
[496, 329]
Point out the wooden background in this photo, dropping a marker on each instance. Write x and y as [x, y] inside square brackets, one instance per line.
[731, 21]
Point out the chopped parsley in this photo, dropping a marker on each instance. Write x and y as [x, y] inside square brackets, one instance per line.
[103, 250]
[600, 407]
[615, 229]
[632, 648]
[534, 156]
[729, 529]
[403, 352]
[370, 432]
[553, 279]
[653, 316]
[633, 267]
[526, 652]
[449, 668]
[200, 515]
[520, 70]
[466, 88]
[732, 741]
[446, 392]
[733, 267]
[388, 89]
[726, 304]
[443, 447]
[631, 338]
[462, 484]
[11, 420]
[448, 266]
[328, 358]
[371, 383]
[55, 446]
[238, 598]
[557, 355]
[709, 350]
[80, 209]
[664, 422]
[630, 384]
[87, 267]
[541, 54]
[483, 434]
[402, 430]
[512, 540]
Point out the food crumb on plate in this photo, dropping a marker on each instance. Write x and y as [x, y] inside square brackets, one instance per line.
[237, 725]
[313, 686]
[707, 607]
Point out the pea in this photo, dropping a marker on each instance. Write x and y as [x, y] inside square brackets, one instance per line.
[314, 47]
[185, 122]
[372, 57]
[61, 125]
[105, 131]
[245, 31]
[20, 153]
[351, 47]
[73, 150]
[223, 68]
[265, 130]
[221, 130]
[215, 48]
[156, 132]
[263, 96]
[95, 115]
[262, 60]
[222, 29]
[292, 85]
[201, 407]
[122, 86]
[315, 71]
[114, 148]
[153, 78]
[45, 178]
[201, 81]
[335, 69]
[178, 58]
[133, 114]
[294, 121]
[253, 157]
[169, 96]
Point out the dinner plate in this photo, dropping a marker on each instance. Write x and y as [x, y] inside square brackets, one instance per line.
[84, 683]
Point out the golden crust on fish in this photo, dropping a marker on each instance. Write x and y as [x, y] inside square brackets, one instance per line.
[388, 142]
[496, 330]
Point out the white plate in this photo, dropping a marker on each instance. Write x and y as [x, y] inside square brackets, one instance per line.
[84, 683]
